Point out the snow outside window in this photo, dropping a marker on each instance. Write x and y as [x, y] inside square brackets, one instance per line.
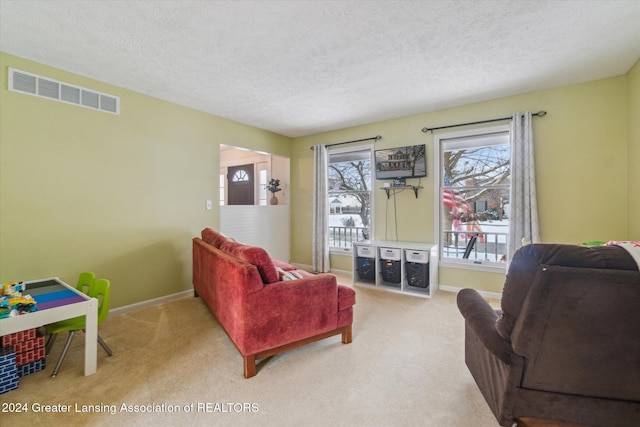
[473, 196]
[350, 197]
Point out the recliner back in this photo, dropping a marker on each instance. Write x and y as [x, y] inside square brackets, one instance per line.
[579, 330]
[528, 259]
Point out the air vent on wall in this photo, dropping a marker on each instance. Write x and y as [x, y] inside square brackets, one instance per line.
[44, 87]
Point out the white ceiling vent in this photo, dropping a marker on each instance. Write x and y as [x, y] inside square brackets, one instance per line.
[44, 87]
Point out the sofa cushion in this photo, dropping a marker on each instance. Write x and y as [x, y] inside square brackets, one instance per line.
[528, 259]
[253, 255]
[213, 237]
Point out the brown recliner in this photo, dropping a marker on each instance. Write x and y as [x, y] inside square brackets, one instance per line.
[566, 344]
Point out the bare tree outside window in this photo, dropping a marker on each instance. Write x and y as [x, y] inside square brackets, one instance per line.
[349, 185]
[475, 175]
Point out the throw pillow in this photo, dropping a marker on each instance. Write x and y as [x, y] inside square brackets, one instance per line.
[288, 275]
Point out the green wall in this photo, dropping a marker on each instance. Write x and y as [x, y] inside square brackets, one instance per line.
[581, 160]
[124, 195]
[120, 195]
[634, 151]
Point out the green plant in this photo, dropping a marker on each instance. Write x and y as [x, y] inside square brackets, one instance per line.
[273, 186]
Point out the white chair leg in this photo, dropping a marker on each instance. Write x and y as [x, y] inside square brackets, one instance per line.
[64, 353]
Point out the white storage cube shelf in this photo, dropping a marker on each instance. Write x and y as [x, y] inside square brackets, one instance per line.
[401, 267]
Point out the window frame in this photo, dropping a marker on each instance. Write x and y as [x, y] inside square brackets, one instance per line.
[370, 148]
[261, 180]
[223, 186]
[439, 141]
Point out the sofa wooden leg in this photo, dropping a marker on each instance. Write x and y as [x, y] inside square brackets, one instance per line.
[250, 366]
[346, 335]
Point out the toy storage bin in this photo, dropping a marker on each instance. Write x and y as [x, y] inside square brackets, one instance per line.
[366, 268]
[392, 254]
[417, 256]
[366, 263]
[390, 265]
[416, 268]
[365, 251]
[390, 270]
[417, 274]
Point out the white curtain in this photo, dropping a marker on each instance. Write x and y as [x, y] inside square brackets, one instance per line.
[320, 261]
[523, 224]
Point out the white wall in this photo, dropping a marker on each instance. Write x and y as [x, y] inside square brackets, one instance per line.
[264, 226]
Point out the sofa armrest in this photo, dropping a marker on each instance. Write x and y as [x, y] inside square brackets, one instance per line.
[481, 318]
[287, 311]
[308, 292]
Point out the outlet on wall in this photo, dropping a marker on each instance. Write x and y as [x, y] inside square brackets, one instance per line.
[209, 205]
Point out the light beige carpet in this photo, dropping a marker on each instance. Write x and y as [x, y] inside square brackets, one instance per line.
[405, 367]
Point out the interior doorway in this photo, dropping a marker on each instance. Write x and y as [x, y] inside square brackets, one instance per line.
[259, 168]
[245, 212]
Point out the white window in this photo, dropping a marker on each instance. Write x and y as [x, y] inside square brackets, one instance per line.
[474, 178]
[350, 197]
[262, 183]
[222, 188]
[240, 176]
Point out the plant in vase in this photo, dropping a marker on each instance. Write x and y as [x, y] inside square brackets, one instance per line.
[273, 186]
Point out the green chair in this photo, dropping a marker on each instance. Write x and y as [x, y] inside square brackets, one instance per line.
[85, 282]
[99, 290]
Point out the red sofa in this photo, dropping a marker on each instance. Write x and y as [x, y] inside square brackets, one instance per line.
[262, 314]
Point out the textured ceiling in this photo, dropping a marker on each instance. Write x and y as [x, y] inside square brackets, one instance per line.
[302, 67]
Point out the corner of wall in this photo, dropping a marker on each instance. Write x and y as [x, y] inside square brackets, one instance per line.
[633, 151]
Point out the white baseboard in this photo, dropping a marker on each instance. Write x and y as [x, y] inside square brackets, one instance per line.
[456, 289]
[441, 287]
[304, 267]
[147, 303]
[345, 272]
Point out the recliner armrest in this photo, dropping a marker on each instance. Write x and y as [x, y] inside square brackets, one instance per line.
[481, 318]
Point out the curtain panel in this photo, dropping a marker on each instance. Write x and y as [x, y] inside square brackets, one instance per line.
[523, 224]
[320, 253]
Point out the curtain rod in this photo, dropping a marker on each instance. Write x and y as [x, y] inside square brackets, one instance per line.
[540, 113]
[377, 137]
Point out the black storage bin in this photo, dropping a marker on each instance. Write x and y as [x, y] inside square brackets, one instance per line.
[390, 270]
[417, 274]
[366, 268]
